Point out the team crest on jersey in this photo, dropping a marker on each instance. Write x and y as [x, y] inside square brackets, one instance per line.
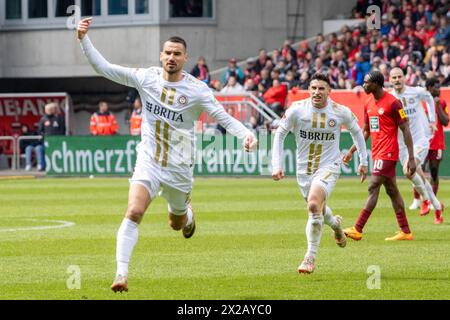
[380, 111]
[182, 100]
[332, 123]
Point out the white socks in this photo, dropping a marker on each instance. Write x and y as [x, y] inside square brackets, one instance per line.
[432, 196]
[420, 186]
[328, 218]
[127, 237]
[313, 233]
[189, 216]
[425, 189]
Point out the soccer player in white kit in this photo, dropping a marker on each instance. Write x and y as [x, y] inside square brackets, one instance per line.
[172, 101]
[422, 128]
[316, 123]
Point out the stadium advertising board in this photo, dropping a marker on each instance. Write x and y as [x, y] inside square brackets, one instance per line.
[215, 156]
[27, 109]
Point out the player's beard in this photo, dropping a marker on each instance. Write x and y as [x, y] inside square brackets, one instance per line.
[173, 70]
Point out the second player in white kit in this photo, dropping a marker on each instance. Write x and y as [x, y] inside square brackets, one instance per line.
[316, 124]
[422, 128]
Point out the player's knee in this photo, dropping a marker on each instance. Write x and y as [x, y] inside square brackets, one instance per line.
[391, 191]
[373, 188]
[135, 213]
[314, 207]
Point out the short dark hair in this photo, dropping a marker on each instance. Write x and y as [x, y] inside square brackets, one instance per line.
[376, 77]
[321, 77]
[177, 39]
[431, 82]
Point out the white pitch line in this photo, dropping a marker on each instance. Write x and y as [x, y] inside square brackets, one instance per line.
[63, 224]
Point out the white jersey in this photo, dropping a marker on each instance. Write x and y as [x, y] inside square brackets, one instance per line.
[419, 123]
[317, 134]
[170, 110]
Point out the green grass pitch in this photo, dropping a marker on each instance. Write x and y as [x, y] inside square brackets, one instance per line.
[249, 241]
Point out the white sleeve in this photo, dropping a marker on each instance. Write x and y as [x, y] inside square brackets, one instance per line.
[286, 125]
[126, 76]
[213, 108]
[428, 98]
[351, 123]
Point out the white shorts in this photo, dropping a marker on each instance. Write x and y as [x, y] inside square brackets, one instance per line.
[176, 186]
[420, 152]
[325, 177]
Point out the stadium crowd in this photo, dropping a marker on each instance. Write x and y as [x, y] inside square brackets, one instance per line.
[413, 35]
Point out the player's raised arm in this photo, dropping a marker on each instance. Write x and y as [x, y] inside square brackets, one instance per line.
[119, 74]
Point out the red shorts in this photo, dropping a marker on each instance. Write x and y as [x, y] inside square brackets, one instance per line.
[435, 154]
[385, 168]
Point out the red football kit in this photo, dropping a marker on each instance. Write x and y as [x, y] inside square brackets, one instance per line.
[437, 143]
[383, 117]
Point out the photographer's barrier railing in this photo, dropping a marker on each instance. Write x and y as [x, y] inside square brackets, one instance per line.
[14, 149]
[251, 100]
[18, 140]
[244, 116]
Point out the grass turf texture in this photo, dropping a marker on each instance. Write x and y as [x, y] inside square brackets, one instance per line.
[249, 241]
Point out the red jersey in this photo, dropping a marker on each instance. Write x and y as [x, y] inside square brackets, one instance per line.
[383, 118]
[438, 140]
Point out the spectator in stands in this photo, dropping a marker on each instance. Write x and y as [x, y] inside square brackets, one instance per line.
[304, 80]
[51, 124]
[251, 67]
[410, 76]
[136, 118]
[216, 85]
[28, 146]
[385, 25]
[103, 122]
[201, 71]
[442, 35]
[364, 48]
[250, 85]
[320, 39]
[262, 60]
[276, 56]
[444, 69]
[275, 96]
[434, 63]
[269, 64]
[287, 49]
[275, 74]
[290, 80]
[233, 71]
[362, 68]
[233, 87]
[265, 82]
[3, 160]
[303, 49]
